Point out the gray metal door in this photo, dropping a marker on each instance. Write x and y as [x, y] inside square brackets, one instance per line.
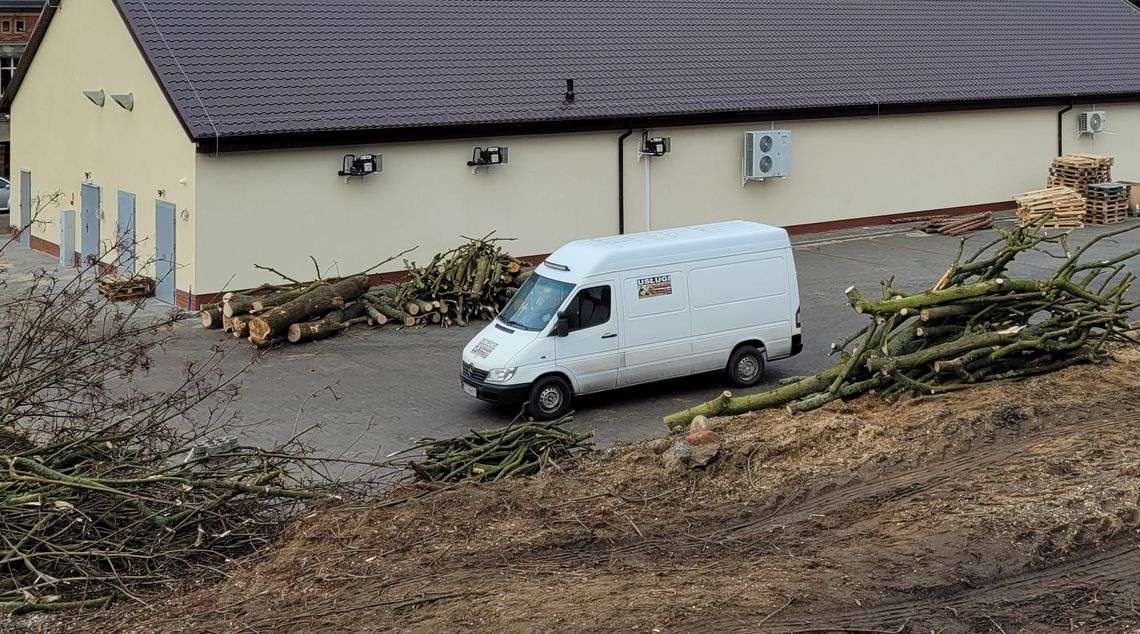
[125, 233]
[26, 208]
[67, 237]
[89, 224]
[164, 252]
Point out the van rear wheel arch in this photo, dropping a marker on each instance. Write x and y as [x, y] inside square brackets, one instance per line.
[745, 367]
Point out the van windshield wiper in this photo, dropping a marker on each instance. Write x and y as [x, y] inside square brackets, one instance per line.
[515, 324]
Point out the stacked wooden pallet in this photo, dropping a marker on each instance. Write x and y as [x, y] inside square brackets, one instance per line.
[1063, 205]
[1107, 203]
[1079, 170]
[121, 288]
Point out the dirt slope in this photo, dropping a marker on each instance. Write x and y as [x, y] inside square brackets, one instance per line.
[1004, 509]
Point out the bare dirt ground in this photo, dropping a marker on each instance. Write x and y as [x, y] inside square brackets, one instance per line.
[1012, 508]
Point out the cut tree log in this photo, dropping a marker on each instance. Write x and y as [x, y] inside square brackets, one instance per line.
[328, 326]
[236, 305]
[375, 317]
[393, 313]
[522, 277]
[261, 304]
[212, 317]
[240, 325]
[276, 321]
[313, 330]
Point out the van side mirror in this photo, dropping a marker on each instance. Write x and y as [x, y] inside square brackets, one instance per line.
[562, 325]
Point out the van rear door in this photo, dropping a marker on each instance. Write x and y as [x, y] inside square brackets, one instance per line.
[591, 349]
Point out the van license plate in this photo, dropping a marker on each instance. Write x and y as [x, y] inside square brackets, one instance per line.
[470, 389]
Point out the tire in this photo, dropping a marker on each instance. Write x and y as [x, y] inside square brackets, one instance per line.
[745, 367]
[549, 398]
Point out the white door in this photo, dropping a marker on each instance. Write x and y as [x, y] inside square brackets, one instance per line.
[591, 349]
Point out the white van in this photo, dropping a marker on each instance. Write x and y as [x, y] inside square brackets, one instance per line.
[612, 312]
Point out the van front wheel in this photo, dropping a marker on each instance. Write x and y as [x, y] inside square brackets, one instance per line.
[549, 398]
[745, 367]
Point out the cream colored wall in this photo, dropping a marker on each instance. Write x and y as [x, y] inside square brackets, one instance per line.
[851, 168]
[59, 135]
[277, 208]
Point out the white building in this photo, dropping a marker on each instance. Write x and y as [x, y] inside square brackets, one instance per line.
[214, 131]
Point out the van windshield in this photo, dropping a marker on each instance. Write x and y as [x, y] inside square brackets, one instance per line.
[535, 304]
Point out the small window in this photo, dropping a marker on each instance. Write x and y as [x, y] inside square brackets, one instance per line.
[7, 68]
[21, 26]
[6, 26]
[591, 307]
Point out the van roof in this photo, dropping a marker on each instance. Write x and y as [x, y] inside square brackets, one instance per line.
[595, 256]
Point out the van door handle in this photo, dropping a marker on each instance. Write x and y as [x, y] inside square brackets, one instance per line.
[609, 335]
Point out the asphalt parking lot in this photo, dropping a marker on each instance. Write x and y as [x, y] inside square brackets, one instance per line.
[390, 388]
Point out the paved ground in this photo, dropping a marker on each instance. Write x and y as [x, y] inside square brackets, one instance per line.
[394, 387]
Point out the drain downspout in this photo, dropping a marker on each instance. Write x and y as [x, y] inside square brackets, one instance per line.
[621, 178]
[1060, 116]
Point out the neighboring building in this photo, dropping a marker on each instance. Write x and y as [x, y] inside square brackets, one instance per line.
[17, 22]
[214, 130]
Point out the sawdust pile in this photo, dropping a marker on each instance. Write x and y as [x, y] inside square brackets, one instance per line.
[1006, 507]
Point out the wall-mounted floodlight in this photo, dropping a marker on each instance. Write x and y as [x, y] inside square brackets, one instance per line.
[363, 165]
[488, 156]
[127, 101]
[655, 146]
[97, 97]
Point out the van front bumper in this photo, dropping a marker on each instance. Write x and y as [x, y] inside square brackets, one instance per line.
[493, 392]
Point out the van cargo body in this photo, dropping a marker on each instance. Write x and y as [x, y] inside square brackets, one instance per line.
[613, 312]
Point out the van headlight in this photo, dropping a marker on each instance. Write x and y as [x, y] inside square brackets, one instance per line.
[500, 375]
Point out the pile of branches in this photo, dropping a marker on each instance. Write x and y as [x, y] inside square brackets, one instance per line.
[472, 281]
[519, 449]
[975, 325]
[105, 513]
[958, 226]
[113, 482]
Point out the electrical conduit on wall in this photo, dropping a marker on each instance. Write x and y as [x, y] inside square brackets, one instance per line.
[648, 191]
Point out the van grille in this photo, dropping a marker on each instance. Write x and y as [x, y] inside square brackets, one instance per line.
[470, 372]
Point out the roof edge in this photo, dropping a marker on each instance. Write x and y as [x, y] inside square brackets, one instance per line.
[46, 14]
[340, 138]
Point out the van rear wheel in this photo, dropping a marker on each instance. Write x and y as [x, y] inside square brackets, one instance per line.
[549, 398]
[745, 366]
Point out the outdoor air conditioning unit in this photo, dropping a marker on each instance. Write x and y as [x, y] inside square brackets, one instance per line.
[1092, 122]
[766, 154]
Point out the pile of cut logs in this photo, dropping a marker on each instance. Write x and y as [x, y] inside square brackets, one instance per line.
[472, 281]
[950, 226]
[959, 225]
